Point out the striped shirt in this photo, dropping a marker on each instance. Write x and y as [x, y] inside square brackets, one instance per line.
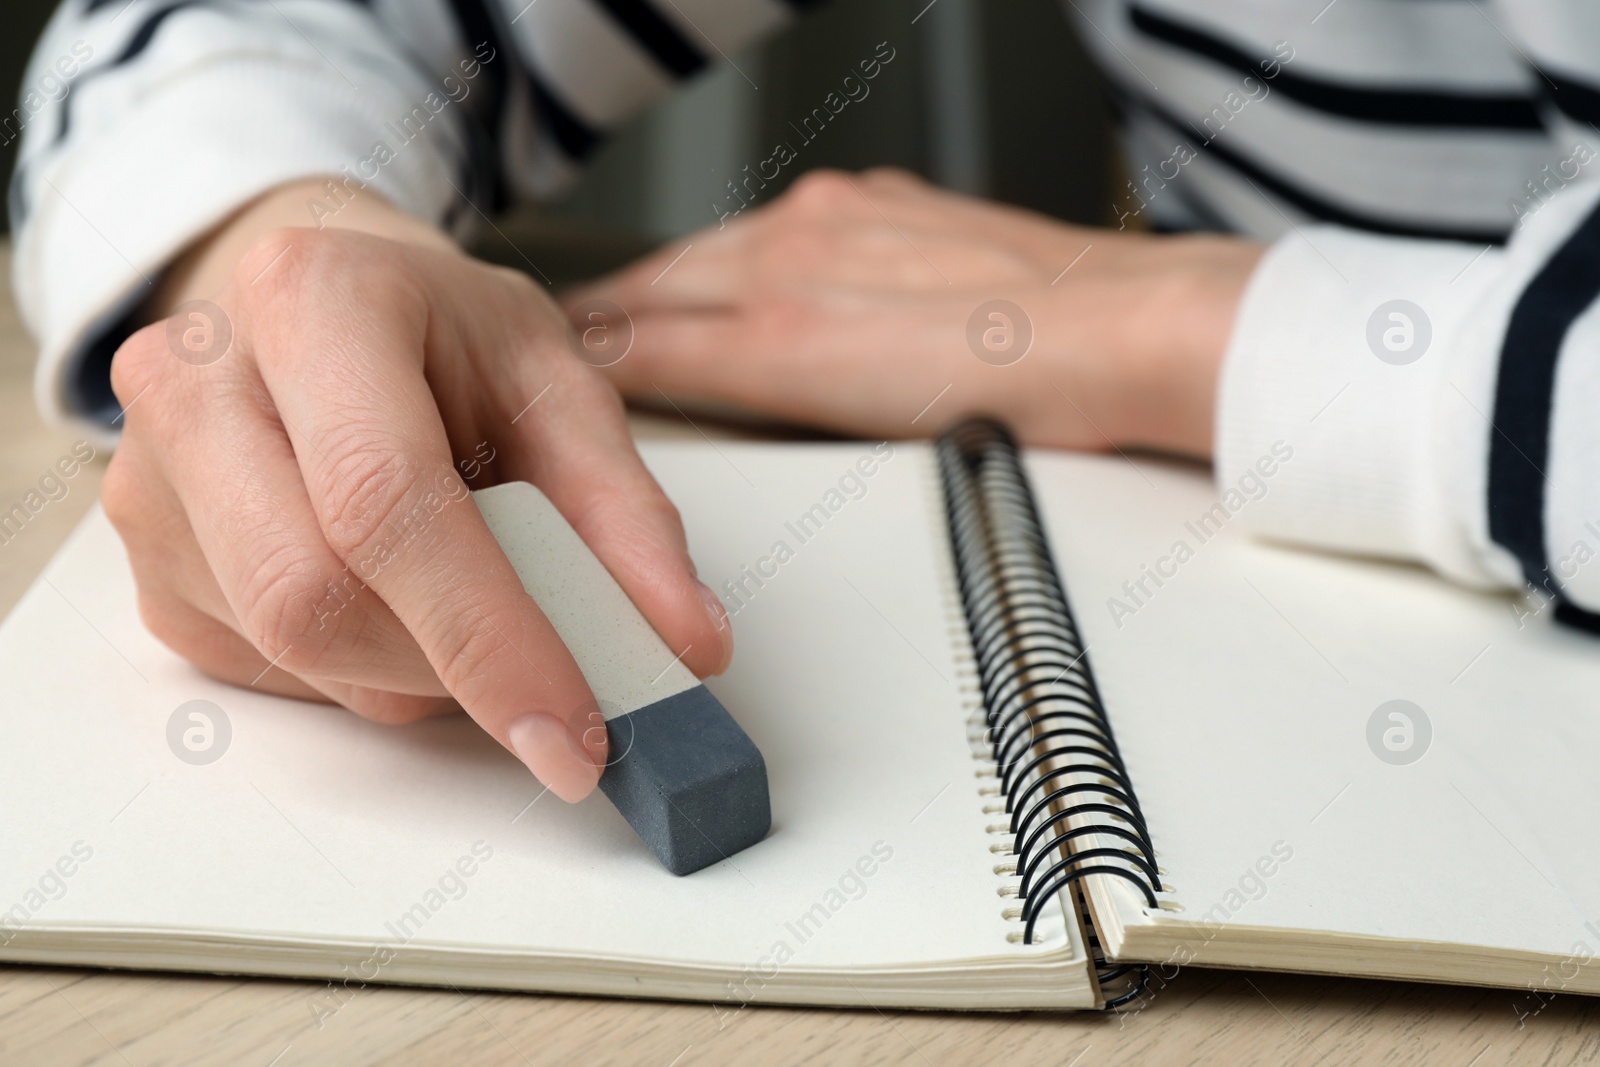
[1420, 332]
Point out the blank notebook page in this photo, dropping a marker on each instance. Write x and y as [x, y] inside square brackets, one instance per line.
[316, 828]
[1241, 690]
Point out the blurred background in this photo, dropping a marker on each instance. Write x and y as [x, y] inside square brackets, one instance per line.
[996, 99]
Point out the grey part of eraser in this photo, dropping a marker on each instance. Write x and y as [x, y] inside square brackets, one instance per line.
[689, 781]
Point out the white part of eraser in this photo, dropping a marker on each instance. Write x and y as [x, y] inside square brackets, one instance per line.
[624, 660]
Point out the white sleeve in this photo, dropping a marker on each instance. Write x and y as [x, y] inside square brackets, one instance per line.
[146, 124]
[1441, 401]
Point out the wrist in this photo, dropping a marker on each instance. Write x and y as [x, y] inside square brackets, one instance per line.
[1174, 339]
[205, 267]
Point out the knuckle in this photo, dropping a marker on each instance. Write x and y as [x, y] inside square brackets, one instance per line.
[188, 632]
[631, 526]
[279, 612]
[138, 362]
[256, 274]
[581, 398]
[166, 625]
[821, 190]
[518, 284]
[464, 654]
[281, 257]
[288, 274]
[369, 491]
[157, 618]
[636, 541]
[551, 345]
[890, 177]
[320, 626]
[589, 390]
[596, 404]
[121, 494]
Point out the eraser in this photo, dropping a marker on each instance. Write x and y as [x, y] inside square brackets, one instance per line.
[683, 773]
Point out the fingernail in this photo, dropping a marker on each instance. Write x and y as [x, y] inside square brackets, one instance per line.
[554, 755]
[719, 618]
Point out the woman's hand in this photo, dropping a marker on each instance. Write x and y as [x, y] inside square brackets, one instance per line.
[856, 303]
[293, 503]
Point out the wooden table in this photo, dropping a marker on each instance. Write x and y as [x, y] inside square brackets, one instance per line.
[63, 1016]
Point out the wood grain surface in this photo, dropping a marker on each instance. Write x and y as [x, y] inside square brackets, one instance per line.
[68, 1017]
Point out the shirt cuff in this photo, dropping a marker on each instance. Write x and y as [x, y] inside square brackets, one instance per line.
[1339, 354]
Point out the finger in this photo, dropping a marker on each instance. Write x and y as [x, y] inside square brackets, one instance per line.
[687, 354]
[578, 450]
[576, 447]
[704, 273]
[833, 233]
[217, 651]
[147, 514]
[390, 709]
[825, 363]
[713, 269]
[807, 232]
[372, 450]
[229, 463]
[184, 607]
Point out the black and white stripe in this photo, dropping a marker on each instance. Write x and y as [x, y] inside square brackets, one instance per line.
[1566, 287]
[581, 66]
[1373, 148]
[1384, 105]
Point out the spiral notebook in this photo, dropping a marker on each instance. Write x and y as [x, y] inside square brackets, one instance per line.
[1024, 753]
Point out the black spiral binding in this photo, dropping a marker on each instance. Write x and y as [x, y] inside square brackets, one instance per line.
[1059, 768]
